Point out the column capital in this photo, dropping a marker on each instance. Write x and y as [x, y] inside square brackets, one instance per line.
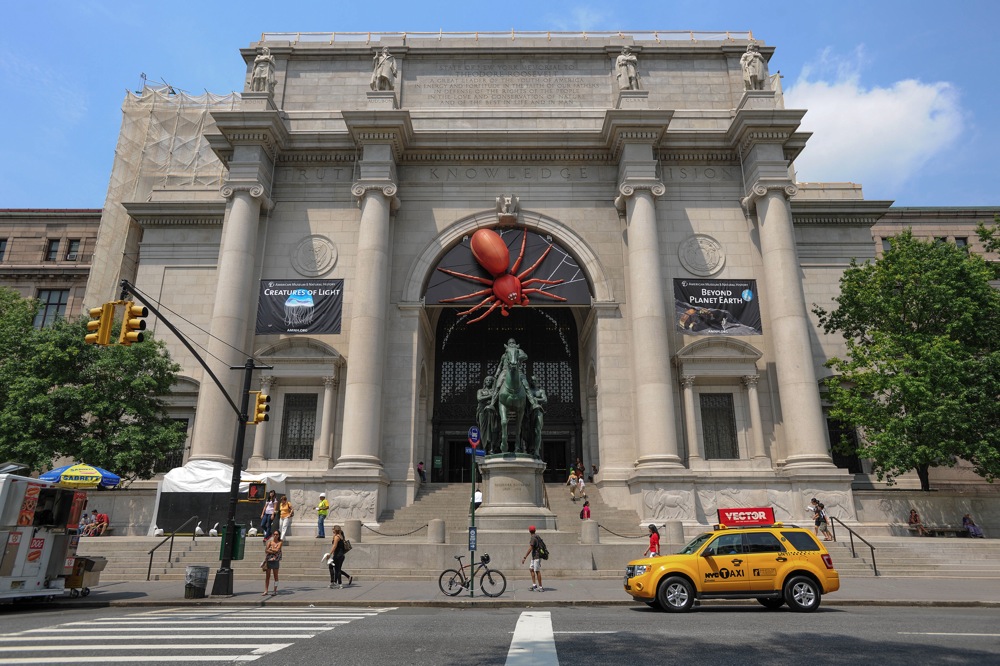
[628, 187]
[331, 382]
[267, 382]
[687, 381]
[750, 381]
[761, 187]
[255, 189]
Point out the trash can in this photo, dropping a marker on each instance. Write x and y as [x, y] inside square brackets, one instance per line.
[239, 543]
[195, 582]
[86, 574]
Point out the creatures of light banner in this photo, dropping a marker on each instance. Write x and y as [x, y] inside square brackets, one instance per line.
[717, 307]
[300, 306]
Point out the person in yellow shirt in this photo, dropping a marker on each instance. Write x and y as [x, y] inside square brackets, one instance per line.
[322, 510]
[285, 511]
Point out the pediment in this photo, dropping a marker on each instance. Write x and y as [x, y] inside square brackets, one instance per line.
[718, 356]
[299, 350]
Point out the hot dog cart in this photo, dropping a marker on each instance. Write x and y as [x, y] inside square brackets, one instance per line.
[39, 534]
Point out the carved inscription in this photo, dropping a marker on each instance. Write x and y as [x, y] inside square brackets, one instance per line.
[700, 173]
[514, 83]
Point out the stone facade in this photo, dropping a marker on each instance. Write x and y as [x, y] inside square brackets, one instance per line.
[323, 178]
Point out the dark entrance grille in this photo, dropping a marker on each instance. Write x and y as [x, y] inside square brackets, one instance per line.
[467, 353]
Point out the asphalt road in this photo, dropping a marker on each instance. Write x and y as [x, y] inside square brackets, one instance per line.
[716, 635]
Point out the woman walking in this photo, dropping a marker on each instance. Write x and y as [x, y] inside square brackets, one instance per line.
[336, 564]
[272, 561]
[267, 514]
[285, 512]
[654, 542]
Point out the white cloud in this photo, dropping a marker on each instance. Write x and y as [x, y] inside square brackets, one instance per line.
[877, 136]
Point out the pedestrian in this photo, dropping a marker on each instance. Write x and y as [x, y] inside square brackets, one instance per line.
[654, 542]
[822, 524]
[970, 525]
[916, 524]
[285, 512]
[579, 468]
[585, 511]
[814, 508]
[477, 498]
[420, 472]
[571, 482]
[336, 563]
[267, 514]
[581, 487]
[322, 510]
[272, 561]
[536, 561]
[593, 471]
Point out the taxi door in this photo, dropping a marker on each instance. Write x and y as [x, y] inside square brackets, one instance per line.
[765, 557]
[722, 567]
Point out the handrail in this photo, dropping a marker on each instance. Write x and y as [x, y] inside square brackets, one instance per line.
[853, 534]
[170, 538]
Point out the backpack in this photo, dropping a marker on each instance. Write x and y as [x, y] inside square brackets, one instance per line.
[581, 514]
[543, 552]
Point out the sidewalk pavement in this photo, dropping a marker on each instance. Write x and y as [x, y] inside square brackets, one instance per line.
[876, 591]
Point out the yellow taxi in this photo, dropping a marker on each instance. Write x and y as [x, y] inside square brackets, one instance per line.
[775, 564]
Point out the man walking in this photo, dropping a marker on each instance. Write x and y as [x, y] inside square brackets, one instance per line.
[536, 562]
[322, 510]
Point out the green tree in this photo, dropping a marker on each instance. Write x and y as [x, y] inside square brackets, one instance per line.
[100, 405]
[922, 375]
[990, 238]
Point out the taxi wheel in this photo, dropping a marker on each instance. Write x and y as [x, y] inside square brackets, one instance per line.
[802, 594]
[770, 603]
[675, 595]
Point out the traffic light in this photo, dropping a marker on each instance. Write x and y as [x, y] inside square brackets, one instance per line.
[133, 324]
[99, 325]
[256, 492]
[260, 408]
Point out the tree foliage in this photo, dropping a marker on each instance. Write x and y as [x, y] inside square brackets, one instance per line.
[62, 397]
[922, 374]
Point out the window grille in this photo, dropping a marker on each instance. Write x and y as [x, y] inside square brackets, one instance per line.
[298, 426]
[718, 424]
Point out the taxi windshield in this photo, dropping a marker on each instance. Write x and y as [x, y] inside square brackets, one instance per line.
[695, 543]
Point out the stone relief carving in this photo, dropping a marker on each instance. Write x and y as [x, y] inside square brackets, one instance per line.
[783, 503]
[669, 504]
[507, 209]
[352, 504]
[314, 256]
[627, 70]
[837, 503]
[736, 498]
[701, 255]
[752, 63]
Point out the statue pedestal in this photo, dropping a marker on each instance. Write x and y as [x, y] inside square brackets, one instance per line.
[382, 100]
[632, 99]
[513, 494]
[758, 99]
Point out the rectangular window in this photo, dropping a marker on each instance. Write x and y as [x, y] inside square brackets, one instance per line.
[940, 239]
[53, 306]
[3, 248]
[962, 244]
[298, 426]
[174, 458]
[73, 251]
[718, 425]
[841, 436]
[886, 244]
[52, 250]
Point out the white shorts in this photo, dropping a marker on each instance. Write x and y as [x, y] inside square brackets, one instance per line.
[536, 565]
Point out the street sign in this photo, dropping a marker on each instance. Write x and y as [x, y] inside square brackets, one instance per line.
[474, 436]
[471, 449]
[472, 539]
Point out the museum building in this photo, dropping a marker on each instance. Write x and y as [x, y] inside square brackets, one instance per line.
[324, 223]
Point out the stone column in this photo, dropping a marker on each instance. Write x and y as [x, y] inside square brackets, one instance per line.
[260, 433]
[235, 294]
[324, 455]
[690, 423]
[791, 330]
[655, 420]
[756, 431]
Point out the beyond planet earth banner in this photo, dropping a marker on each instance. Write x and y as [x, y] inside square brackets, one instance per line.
[717, 307]
[300, 306]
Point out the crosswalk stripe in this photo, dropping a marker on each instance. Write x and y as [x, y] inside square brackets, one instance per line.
[250, 638]
[134, 646]
[533, 642]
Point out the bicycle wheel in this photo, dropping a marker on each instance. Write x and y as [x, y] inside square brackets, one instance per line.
[493, 583]
[451, 582]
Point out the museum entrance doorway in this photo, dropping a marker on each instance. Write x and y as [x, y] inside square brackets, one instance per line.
[466, 353]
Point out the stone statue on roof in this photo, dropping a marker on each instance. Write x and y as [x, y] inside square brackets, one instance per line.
[262, 78]
[752, 62]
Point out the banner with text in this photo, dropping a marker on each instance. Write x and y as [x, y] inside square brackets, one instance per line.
[717, 307]
[300, 306]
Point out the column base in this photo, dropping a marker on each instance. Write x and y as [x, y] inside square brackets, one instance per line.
[659, 461]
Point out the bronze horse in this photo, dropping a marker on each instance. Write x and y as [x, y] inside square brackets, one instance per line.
[512, 398]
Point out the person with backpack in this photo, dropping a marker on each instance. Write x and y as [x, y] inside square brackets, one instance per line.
[585, 511]
[538, 552]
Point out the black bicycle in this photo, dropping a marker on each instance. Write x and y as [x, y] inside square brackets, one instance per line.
[492, 582]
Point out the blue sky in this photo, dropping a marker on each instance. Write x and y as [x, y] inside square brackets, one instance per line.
[902, 95]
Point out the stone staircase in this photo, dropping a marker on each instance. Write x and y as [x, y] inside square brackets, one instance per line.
[919, 557]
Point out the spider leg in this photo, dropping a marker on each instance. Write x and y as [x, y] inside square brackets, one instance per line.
[534, 265]
[540, 281]
[493, 307]
[481, 292]
[520, 257]
[476, 307]
[474, 278]
[541, 293]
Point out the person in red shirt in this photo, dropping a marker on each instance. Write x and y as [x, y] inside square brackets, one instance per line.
[585, 511]
[654, 541]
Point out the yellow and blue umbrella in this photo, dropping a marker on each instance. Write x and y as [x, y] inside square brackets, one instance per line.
[81, 475]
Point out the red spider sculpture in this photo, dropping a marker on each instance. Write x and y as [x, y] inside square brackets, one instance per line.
[505, 290]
